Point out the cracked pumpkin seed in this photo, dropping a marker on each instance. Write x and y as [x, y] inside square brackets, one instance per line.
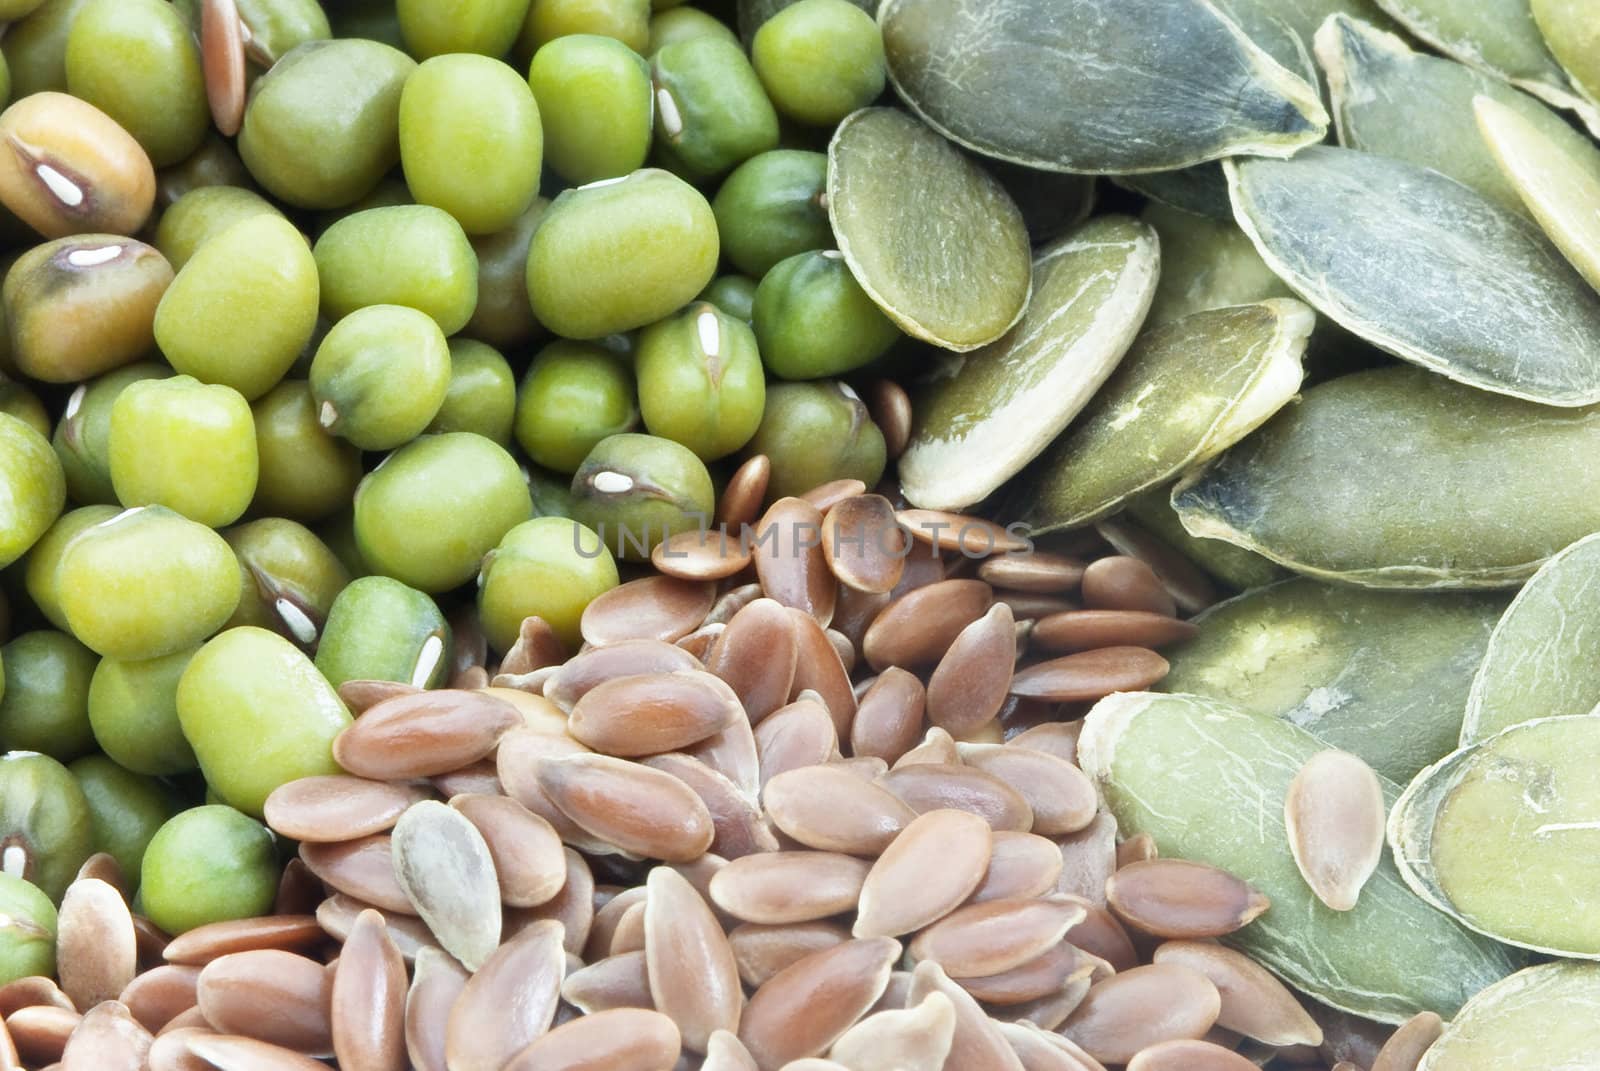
[1542, 1016]
[1518, 803]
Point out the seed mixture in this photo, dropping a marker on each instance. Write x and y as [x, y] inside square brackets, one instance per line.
[799, 535]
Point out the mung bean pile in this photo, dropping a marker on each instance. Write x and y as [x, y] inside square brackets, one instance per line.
[799, 535]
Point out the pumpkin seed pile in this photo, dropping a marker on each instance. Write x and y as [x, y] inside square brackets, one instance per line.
[1117, 584]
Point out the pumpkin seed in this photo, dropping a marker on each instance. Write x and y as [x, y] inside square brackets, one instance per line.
[1006, 402]
[1498, 36]
[1234, 566]
[1387, 959]
[1205, 264]
[1399, 479]
[1269, 30]
[1520, 803]
[1391, 100]
[1303, 17]
[1381, 674]
[1543, 658]
[1381, 245]
[1539, 1017]
[1185, 392]
[1557, 174]
[1201, 189]
[1095, 86]
[1568, 28]
[937, 243]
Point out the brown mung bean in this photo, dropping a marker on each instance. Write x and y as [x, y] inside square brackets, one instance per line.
[509, 1002]
[919, 626]
[1254, 1003]
[660, 608]
[762, 951]
[1180, 898]
[1141, 1007]
[275, 997]
[780, 887]
[925, 873]
[693, 977]
[807, 1006]
[970, 683]
[757, 655]
[996, 935]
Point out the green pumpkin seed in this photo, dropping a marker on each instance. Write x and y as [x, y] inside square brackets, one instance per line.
[1305, 17]
[1270, 30]
[1497, 36]
[1539, 1017]
[1238, 568]
[1543, 658]
[1006, 402]
[1501, 836]
[1572, 33]
[1205, 264]
[1381, 674]
[1052, 202]
[1557, 174]
[1395, 478]
[1207, 781]
[1382, 246]
[932, 238]
[1185, 392]
[1392, 101]
[1097, 86]
[1201, 189]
